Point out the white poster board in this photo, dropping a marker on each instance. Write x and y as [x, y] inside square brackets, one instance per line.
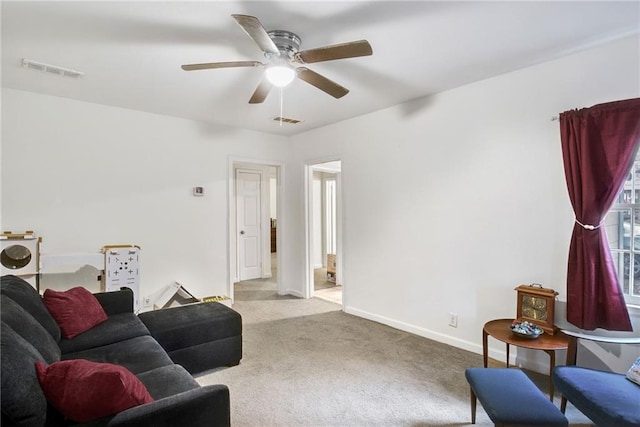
[121, 270]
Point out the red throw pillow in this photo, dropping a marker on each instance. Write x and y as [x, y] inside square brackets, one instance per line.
[83, 390]
[76, 310]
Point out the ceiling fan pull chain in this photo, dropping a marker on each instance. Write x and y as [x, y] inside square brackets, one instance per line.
[281, 105]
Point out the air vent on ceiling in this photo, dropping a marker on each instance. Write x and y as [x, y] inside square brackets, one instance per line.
[286, 120]
[51, 69]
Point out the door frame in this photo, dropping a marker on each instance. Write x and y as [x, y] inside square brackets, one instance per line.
[232, 247]
[308, 227]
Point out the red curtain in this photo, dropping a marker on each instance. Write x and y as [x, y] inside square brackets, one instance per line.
[598, 148]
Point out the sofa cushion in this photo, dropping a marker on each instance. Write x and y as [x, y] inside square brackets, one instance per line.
[25, 325]
[84, 391]
[138, 354]
[76, 310]
[118, 327]
[23, 402]
[167, 381]
[28, 298]
[116, 302]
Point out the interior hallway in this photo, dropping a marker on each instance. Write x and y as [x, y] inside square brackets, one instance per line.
[323, 288]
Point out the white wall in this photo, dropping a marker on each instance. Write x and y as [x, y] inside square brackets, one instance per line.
[449, 201]
[83, 175]
[453, 200]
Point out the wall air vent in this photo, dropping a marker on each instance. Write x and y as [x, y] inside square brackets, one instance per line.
[286, 120]
[51, 69]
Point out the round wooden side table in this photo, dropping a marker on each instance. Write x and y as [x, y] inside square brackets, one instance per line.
[500, 330]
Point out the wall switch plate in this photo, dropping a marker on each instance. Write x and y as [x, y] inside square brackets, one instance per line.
[453, 320]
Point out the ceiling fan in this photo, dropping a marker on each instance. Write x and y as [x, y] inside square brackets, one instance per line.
[281, 49]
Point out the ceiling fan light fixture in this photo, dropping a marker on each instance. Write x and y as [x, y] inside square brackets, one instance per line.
[280, 75]
[281, 49]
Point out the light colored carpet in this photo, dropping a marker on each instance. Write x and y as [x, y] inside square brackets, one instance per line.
[306, 363]
[320, 279]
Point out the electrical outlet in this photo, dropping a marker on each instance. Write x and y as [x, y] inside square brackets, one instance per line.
[453, 320]
[147, 301]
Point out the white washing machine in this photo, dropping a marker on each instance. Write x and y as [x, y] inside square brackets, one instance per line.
[20, 256]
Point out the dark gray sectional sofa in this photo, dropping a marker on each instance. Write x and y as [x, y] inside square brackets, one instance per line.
[30, 334]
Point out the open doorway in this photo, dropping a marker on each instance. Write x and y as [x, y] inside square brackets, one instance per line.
[324, 257]
[253, 228]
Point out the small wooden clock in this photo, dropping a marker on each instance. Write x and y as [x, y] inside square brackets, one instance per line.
[536, 305]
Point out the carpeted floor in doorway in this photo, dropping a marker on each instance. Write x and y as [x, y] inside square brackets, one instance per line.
[306, 363]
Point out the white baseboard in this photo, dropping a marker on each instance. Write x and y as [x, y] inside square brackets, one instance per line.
[433, 335]
[294, 293]
[473, 347]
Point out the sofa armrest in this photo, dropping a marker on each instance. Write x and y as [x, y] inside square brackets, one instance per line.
[116, 302]
[205, 406]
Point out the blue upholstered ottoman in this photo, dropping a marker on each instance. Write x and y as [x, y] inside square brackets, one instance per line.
[607, 398]
[510, 398]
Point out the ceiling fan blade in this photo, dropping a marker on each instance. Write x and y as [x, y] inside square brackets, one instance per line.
[261, 92]
[232, 64]
[254, 29]
[336, 51]
[321, 82]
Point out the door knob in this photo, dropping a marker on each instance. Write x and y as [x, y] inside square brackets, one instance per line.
[242, 232]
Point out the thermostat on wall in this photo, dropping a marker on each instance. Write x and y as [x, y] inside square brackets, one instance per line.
[198, 191]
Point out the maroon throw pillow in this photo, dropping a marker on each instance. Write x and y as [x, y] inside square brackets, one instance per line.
[82, 390]
[75, 311]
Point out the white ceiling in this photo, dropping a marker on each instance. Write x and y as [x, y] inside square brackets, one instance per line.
[131, 52]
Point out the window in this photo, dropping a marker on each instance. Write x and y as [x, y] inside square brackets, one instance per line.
[622, 225]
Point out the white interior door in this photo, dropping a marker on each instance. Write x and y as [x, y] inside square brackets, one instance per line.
[248, 197]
